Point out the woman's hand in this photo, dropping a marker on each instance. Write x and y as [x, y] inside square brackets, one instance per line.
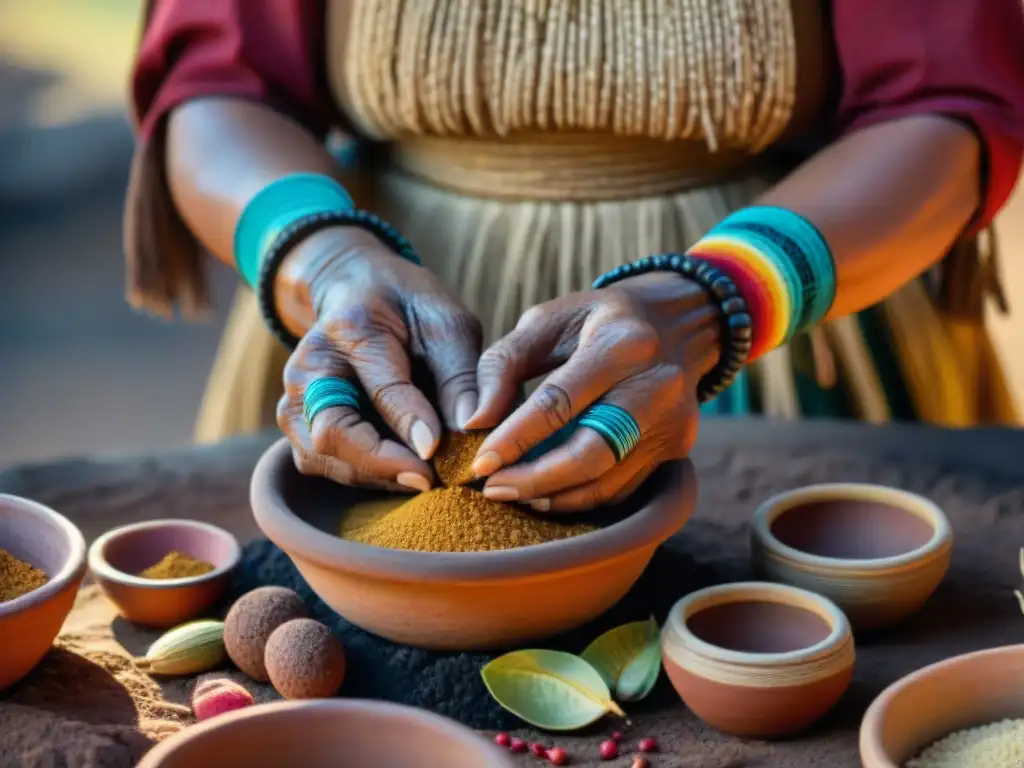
[377, 316]
[641, 344]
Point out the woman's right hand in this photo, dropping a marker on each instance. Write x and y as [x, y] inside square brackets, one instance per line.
[376, 316]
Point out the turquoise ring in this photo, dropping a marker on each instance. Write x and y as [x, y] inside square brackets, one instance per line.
[616, 425]
[330, 392]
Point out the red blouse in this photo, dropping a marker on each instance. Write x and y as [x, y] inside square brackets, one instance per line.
[962, 58]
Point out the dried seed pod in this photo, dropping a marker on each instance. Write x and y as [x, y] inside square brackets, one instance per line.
[186, 650]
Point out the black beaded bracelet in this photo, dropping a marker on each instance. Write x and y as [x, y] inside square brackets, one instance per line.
[737, 334]
[302, 228]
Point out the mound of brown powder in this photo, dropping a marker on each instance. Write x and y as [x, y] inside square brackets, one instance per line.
[460, 520]
[453, 461]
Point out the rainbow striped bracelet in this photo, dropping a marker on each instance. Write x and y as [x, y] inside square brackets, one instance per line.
[781, 265]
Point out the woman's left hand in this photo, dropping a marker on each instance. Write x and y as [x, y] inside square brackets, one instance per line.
[641, 344]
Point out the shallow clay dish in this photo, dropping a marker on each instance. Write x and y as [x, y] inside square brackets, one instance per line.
[116, 556]
[44, 539]
[756, 659]
[927, 705]
[463, 600]
[327, 733]
[878, 553]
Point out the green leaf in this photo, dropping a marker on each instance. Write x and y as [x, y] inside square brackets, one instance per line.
[628, 658]
[552, 690]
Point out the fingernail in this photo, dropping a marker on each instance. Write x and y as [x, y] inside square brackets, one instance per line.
[502, 493]
[487, 465]
[422, 440]
[414, 481]
[541, 505]
[465, 407]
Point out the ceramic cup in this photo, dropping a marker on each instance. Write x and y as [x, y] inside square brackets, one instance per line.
[118, 555]
[878, 553]
[927, 705]
[757, 659]
[44, 539]
[326, 733]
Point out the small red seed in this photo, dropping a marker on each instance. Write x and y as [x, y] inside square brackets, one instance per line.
[502, 739]
[647, 745]
[538, 749]
[558, 756]
[517, 745]
[616, 736]
[609, 750]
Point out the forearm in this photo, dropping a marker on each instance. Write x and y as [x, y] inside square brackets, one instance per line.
[220, 153]
[889, 200]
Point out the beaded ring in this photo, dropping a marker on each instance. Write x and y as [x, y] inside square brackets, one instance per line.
[303, 227]
[330, 392]
[615, 424]
[737, 331]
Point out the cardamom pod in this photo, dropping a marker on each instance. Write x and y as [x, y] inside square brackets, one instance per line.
[195, 647]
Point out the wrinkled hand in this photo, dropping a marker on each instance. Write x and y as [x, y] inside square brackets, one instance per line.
[641, 344]
[377, 316]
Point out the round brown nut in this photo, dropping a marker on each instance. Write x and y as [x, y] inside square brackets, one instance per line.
[251, 621]
[304, 660]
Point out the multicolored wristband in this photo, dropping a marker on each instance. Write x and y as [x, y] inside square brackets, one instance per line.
[275, 208]
[781, 265]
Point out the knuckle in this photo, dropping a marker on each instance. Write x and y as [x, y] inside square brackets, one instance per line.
[641, 341]
[532, 317]
[497, 360]
[554, 403]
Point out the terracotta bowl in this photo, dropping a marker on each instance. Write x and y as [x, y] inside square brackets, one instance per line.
[463, 600]
[116, 556]
[927, 705]
[758, 660]
[878, 553]
[42, 538]
[327, 733]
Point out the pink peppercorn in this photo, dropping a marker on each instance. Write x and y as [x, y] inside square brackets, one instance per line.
[517, 745]
[647, 745]
[502, 739]
[609, 750]
[557, 756]
[616, 737]
[538, 750]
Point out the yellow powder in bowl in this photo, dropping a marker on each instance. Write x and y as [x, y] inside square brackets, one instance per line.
[176, 565]
[997, 745]
[17, 578]
[459, 519]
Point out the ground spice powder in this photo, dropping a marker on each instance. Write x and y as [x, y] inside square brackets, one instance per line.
[176, 565]
[17, 578]
[453, 461]
[460, 519]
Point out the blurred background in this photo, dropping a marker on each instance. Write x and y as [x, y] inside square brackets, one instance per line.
[80, 373]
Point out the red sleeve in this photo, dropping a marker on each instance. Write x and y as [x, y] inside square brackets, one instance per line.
[961, 58]
[265, 50]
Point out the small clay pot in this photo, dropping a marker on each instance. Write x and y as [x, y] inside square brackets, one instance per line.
[326, 733]
[876, 552]
[118, 555]
[758, 660]
[927, 705]
[463, 600]
[44, 539]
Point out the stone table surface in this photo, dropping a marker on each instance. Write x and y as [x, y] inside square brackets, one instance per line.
[977, 476]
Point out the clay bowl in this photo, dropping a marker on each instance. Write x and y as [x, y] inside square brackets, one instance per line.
[116, 556]
[42, 538]
[328, 733]
[758, 660]
[876, 552]
[464, 600]
[927, 705]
